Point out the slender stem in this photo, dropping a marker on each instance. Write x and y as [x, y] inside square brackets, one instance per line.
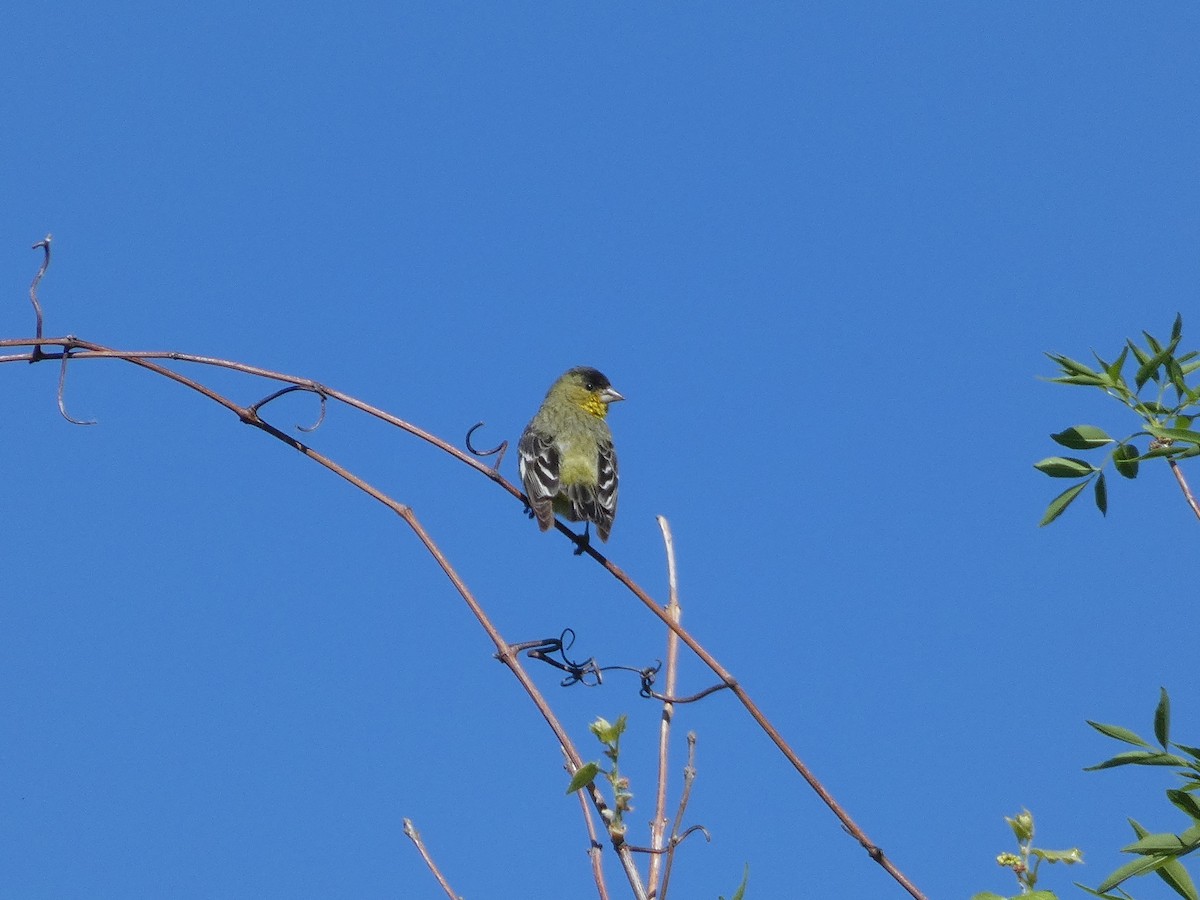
[689, 776]
[594, 846]
[1183, 486]
[415, 836]
[658, 825]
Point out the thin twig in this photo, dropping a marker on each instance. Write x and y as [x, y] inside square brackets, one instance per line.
[689, 775]
[415, 837]
[1183, 485]
[87, 350]
[658, 825]
[595, 848]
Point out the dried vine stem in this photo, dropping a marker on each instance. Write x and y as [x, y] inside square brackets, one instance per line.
[85, 350]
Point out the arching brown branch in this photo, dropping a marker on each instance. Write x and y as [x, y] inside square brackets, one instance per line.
[145, 359]
[250, 416]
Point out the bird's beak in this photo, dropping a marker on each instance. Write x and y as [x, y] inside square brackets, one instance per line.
[608, 395]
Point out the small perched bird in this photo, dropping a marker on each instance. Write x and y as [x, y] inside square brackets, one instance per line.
[566, 456]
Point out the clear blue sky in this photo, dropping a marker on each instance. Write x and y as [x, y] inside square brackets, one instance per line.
[820, 249]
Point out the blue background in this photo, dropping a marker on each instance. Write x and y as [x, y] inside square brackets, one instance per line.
[821, 249]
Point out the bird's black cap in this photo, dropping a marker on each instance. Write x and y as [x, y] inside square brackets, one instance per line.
[594, 379]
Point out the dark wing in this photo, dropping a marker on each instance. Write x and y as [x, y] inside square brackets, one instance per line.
[606, 490]
[537, 460]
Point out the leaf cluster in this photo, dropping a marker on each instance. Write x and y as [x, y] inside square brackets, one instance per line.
[1159, 853]
[1019, 862]
[609, 735]
[1166, 417]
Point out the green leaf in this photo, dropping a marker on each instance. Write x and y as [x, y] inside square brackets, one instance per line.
[1021, 825]
[1178, 879]
[987, 895]
[1157, 844]
[1177, 328]
[583, 776]
[1090, 380]
[1163, 843]
[1064, 467]
[1125, 460]
[1037, 895]
[740, 893]
[1139, 758]
[1169, 451]
[1152, 342]
[1137, 867]
[608, 732]
[1116, 732]
[1162, 718]
[1060, 503]
[1101, 494]
[1082, 437]
[1074, 855]
[1175, 373]
[1073, 367]
[1147, 408]
[1190, 751]
[1186, 802]
[1149, 369]
[1183, 435]
[1088, 890]
[1138, 353]
[1114, 371]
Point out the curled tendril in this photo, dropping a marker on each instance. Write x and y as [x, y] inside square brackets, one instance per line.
[62, 384]
[289, 389]
[497, 451]
[591, 673]
[44, 243]
[586, 672]
[675, 841]
[648, 692]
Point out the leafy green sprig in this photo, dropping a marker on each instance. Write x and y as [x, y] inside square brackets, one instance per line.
[1166, 417]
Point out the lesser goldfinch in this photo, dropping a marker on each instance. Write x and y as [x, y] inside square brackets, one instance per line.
[566, 456]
